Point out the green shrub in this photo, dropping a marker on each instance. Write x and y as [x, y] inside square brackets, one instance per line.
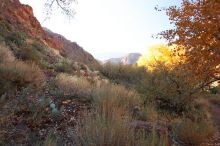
[124, 74]
[64, 65]
[5, 28]
[215, 90]
[168, 90]
[193, 134]
[39, 46]
[28, 53]
[17, 38]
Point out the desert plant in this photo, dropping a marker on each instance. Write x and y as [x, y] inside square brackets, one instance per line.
[5, 27]
[124, 74]
[28, 53]
[192, 133]
[148, 113]
[17, 38]
[64, 65]
[17, 74]
[20, 72]
[6, 54]
[168, 89]
[215, 90]
[109, 121]
[73, 86]
[97, 130]
[110, 97]
[100, 130]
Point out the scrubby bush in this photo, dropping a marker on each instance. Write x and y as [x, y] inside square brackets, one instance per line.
[73, 86]
[168, 90]
[109, 122]
[4, 28]
[100, 130]
[17, 41]
[110, 97]
[193, 134]
[17, 74]
[39, 46]
[40, 54]
[215, 90]
[65, 65]
[6, 54]
[34, 52]
[28, 53]
[17, 38]
[148, 113]
[125, 74]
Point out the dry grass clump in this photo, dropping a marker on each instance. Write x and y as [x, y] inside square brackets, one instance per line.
[109, 123]
[193, 133]
[73, 85]
[127, 75]
[116, 130]
[17, 74]
[148, 113]
[6, 55]
[109, 97]
[99, 130]
[22, 73]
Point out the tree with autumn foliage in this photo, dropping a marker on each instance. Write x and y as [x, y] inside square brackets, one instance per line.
[161, 54]
[197, 28]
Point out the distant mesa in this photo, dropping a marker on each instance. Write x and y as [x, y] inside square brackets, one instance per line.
[129, 59]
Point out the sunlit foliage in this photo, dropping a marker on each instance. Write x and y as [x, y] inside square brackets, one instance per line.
[161, 54]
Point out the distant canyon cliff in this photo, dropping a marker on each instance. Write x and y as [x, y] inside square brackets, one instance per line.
[129, 59]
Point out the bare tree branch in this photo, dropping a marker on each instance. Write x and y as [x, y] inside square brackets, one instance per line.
[64, 6]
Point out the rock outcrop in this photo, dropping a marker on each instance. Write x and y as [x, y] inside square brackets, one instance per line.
[129, 59]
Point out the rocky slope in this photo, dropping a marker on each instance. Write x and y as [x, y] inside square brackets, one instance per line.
[129, 59]
[22, 19]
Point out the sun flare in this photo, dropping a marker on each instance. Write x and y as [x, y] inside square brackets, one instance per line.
[160, 53]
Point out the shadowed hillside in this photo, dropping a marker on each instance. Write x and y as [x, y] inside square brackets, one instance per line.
[21, 19]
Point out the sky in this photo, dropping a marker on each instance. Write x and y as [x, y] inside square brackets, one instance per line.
[109, 28]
